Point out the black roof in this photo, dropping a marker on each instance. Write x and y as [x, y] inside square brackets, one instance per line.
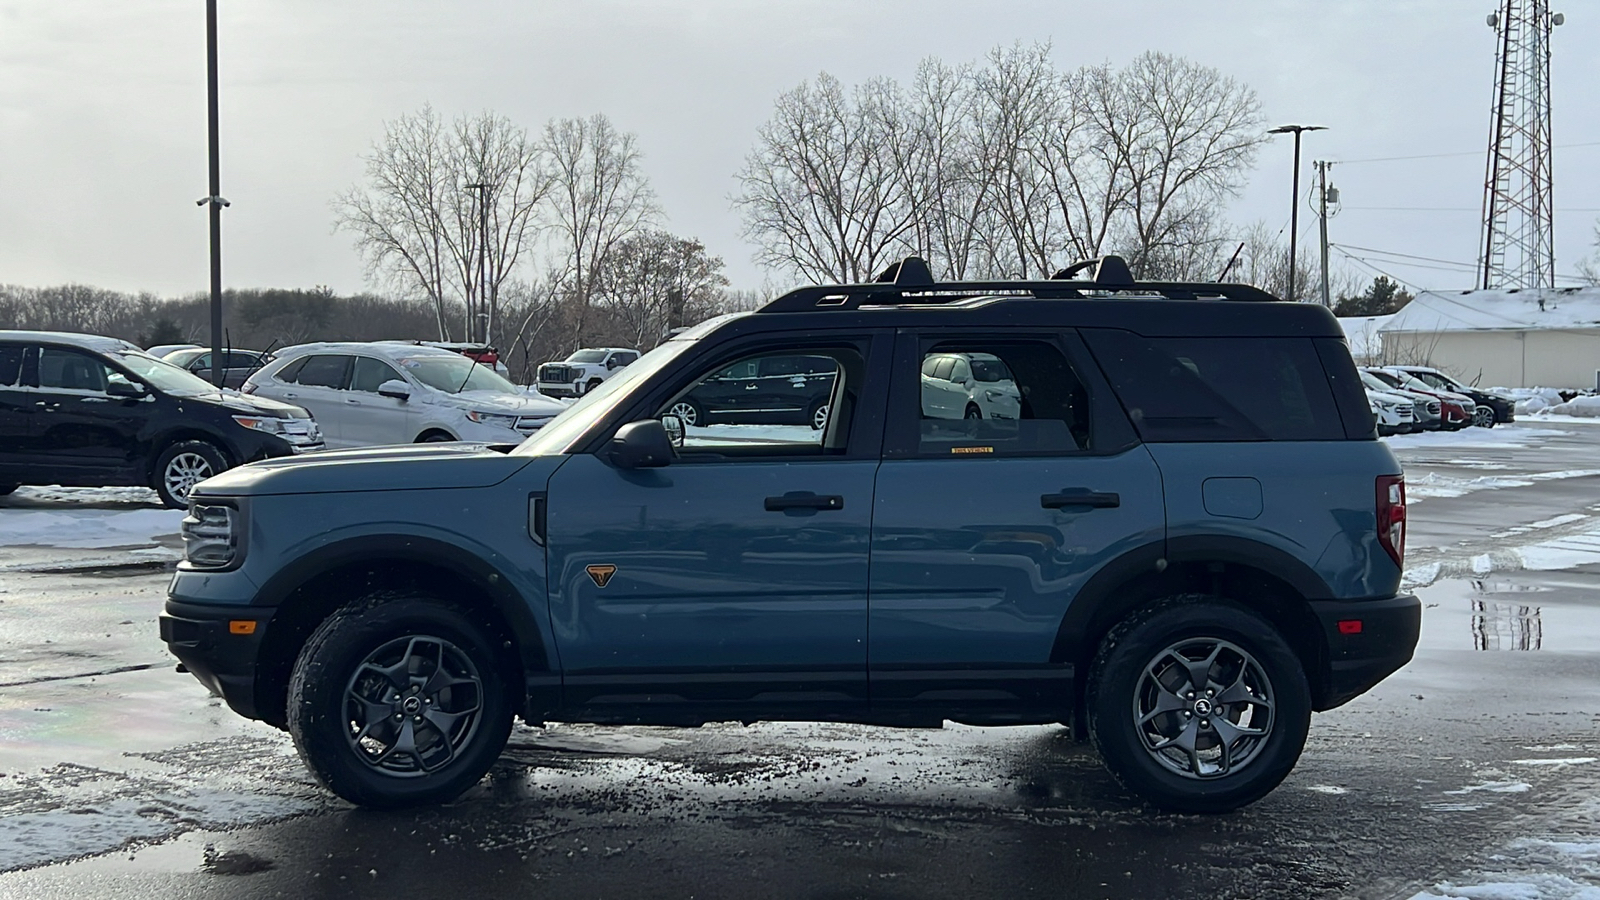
[906, 293]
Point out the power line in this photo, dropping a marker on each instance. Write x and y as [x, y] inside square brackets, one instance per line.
[1460, 208]
[1379, 159]
[1452, 262]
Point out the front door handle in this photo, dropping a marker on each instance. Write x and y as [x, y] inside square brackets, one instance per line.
[1081, 497]
[804, 500]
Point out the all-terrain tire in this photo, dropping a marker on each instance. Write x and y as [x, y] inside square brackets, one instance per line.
[180, 467]
[1253, 669]
[433, 665]
[591, 385]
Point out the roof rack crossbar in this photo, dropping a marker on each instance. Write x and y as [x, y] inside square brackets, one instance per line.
[910, 283]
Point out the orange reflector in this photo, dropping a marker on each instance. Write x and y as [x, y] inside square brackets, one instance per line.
[1347, 626]
[248, 626]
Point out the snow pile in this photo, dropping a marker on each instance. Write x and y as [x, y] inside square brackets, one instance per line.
[1577, 407]
[1530, 400]
[86, 528]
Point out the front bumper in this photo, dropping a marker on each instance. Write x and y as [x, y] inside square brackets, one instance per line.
[211, 644]
[1357, 660]
[550, 389]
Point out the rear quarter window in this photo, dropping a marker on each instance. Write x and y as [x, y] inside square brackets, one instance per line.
[1219, 389]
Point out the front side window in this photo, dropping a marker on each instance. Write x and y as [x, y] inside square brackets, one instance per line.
[772, 403]
[71, 370]
[983, 398]
[369, 373]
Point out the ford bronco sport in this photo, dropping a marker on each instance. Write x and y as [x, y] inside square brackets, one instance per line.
[1186, 541]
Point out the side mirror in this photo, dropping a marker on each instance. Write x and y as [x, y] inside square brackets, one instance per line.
[395, 388]
[641, 445]
[124, 389]
[675, 427]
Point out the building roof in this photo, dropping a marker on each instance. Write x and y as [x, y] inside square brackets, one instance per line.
[1499, 310]
[1361, 332]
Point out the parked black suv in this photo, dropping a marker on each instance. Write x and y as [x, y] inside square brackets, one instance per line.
[773, 390]
[89, 411]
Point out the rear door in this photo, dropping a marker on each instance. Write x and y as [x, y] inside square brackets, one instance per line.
[984, 530]
[319, 385]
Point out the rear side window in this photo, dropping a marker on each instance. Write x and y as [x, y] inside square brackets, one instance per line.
[1028, 402]
[1219, 389]
[323, 371]
[10, 364]
[292, 371]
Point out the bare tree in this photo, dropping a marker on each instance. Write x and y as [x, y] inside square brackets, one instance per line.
[655, 282]
[819, 192]
[1006, 168]
[416, 224]
[600, 199]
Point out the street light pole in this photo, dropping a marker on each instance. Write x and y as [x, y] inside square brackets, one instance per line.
[482, 188]
[214, 200]
[1294, 196]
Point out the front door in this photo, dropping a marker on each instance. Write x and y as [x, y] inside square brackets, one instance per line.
[79, 427]
[984, 529]
[370, 418]
[733, 580]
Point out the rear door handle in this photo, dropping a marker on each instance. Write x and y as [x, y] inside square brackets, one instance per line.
[804, 500]
[1081, 497]
[352, 401]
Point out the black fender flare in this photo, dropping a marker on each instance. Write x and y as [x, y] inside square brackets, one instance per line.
[483, 577]
[1152, 570]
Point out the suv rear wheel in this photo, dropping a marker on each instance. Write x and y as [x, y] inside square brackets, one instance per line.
[1197, 705]
[399, 701]
[182, 466]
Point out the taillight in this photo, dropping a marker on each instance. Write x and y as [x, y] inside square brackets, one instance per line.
[1391, 491]
[248, 387]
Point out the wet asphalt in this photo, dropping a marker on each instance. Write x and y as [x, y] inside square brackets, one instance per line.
[121, 778]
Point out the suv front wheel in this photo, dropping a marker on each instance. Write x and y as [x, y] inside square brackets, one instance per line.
[399, 701]
[1197, 705]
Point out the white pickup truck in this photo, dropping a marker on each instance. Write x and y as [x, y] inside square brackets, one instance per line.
[583, 371]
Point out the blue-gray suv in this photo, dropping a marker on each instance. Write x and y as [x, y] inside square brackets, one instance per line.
[1179, 539]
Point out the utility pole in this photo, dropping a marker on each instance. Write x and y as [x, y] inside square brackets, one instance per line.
[1294, 195]
[218, 364]
[482, 188]
[1325, 194]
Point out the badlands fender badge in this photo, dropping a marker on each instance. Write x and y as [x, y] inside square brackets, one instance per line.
[601, 574]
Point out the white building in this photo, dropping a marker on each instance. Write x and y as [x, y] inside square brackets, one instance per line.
[1501, 338]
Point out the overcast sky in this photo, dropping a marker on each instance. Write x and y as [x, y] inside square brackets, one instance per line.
[102, 110]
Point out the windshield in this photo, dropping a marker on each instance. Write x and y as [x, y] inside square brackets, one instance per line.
[565, 428]
[454, 374]
[1374, 383]
[587, 356]
[164, 375]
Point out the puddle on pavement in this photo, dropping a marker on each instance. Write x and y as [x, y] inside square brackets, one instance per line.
[1559, 615]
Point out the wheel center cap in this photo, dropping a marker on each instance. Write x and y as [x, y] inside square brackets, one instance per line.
[411, 706]
[1202, 707]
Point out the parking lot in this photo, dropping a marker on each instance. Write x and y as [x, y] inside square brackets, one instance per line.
[1474, 766]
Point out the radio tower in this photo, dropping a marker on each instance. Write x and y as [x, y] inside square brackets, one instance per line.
[1518, 246]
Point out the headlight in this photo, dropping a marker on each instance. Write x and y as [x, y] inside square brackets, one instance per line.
[269, 424]
[209, 539]
[498, 420]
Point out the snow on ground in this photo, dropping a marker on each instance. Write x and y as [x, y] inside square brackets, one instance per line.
[1512, 435]
[1438, 484]
[85, 518]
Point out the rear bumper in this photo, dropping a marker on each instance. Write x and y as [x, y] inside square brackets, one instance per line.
[1357, 661]
[222, 659]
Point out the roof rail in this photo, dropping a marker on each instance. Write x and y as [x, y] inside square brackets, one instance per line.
[910, 282]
